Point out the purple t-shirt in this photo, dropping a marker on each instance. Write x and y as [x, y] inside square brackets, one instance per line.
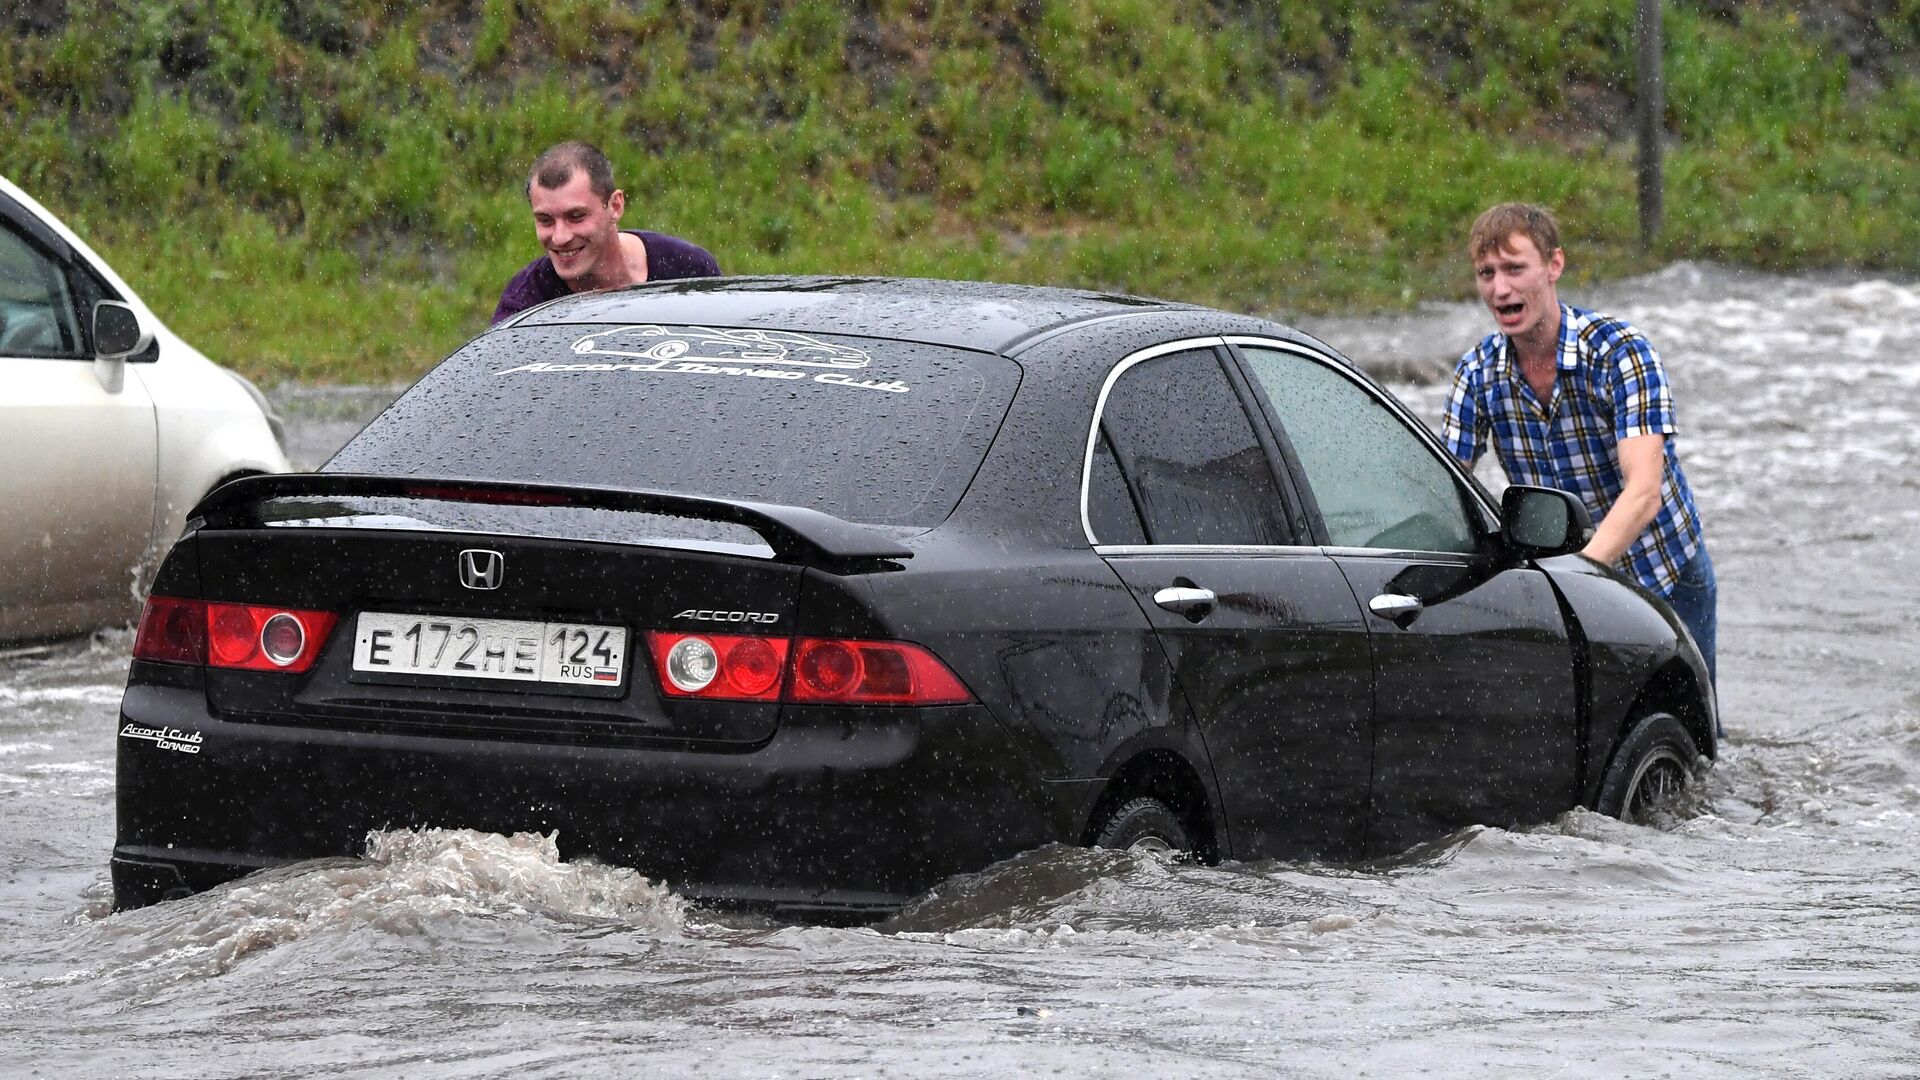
[668, 257]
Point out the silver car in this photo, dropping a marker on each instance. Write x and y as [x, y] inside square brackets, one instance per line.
[111, 428]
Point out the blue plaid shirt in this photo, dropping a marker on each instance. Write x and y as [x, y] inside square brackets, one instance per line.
[1610, 387]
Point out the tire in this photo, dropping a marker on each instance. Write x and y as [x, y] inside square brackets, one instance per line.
[1653, 767]
[1142, 826]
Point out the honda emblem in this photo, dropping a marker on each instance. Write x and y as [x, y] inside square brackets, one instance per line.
[482, 569]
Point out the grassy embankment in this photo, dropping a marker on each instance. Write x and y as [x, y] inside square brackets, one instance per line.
[331, 190]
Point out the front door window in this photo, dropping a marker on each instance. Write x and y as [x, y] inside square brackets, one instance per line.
[38, 316]
[1378, 484]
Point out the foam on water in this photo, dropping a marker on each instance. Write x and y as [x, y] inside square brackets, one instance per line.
[10, 749]
[1100, 891]
[85, 695]
[411, 884]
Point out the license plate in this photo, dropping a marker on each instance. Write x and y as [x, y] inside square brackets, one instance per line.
[575, 654]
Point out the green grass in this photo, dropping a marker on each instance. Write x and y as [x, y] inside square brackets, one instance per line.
[332, 191]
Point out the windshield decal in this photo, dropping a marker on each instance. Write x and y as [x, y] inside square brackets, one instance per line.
[649, 342]
[695, 350]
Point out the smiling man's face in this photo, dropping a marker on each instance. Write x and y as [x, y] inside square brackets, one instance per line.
[1517, 284]
[579, 230]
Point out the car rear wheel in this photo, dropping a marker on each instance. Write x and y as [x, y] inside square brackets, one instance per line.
[1144, 826]
[1652, 770]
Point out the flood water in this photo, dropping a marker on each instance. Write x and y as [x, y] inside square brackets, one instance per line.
[1776, 933]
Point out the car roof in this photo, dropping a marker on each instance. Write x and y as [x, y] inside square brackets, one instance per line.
[960, 314]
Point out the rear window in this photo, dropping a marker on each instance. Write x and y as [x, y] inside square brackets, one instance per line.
[873, 431]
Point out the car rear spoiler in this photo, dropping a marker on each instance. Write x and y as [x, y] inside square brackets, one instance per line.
[795, 533]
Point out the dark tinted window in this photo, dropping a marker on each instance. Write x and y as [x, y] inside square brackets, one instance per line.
[1110, 510]
[1379, 485]
[1183, 439]
[881, 432]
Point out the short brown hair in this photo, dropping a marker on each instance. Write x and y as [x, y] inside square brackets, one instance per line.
[556, 165]
[1492, 229]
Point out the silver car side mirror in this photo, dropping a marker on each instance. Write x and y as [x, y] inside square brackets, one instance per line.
[118, 332]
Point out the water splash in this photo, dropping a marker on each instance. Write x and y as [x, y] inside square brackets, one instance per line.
[413, 884]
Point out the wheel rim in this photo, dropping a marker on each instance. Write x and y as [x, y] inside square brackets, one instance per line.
[1657, 783]
[1152, 845]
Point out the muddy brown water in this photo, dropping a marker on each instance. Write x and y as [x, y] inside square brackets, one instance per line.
[1776, 933]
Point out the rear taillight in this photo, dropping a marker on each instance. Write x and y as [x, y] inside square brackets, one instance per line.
[813, 671]
[172, 631]
[254, 638]
[247, 637]
[830, 670]
[730, 667]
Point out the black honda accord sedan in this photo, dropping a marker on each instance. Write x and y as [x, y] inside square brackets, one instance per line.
[805, 594]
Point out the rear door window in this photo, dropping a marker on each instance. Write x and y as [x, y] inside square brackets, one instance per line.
[1111, 512]
[1189, 456]
[873, 431]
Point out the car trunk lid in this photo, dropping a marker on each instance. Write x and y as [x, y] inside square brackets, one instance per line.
[535, 627]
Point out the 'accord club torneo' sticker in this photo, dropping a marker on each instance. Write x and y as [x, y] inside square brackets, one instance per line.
[166, 738]
[649, 342]
[699, 350]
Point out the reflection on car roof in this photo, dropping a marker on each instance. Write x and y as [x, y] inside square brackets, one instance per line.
[958, 314]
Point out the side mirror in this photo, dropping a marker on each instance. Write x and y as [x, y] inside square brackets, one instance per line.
[1541, 522]
[118, 332]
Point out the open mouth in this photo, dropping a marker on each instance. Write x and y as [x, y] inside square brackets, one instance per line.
[1509, 310]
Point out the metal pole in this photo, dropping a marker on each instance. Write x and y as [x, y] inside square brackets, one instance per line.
[1650, 109]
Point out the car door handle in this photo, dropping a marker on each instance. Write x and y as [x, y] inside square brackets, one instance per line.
[1395, 607]
[1183, 600]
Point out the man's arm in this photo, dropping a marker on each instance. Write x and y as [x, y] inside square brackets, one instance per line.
[535, 283]
[1643, 463]
[513, 299]
[1643, 420]
[1462, 426]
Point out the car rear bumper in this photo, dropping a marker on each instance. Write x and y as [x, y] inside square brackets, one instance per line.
[843, 813]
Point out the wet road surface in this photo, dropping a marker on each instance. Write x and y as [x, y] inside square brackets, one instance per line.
[1775, 933]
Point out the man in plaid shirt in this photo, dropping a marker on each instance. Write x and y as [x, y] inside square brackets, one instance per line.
[1577, 400]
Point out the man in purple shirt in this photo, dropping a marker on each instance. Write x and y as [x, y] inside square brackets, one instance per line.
[576, 215]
